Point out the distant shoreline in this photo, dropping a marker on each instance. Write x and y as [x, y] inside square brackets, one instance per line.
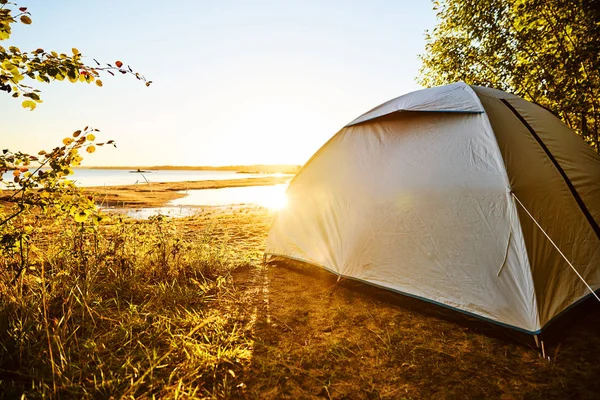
[257, 169]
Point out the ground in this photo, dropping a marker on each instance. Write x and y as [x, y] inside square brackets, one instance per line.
[317, 337]
[186, 308]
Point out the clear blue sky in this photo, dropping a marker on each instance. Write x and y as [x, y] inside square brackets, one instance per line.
[235, 82]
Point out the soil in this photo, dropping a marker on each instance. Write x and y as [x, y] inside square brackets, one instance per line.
[319, 337]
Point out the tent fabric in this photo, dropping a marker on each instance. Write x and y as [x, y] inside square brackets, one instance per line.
[457, 97]
[538, 183]
[421, 203]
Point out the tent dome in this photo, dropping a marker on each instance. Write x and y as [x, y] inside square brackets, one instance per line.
[438, 194]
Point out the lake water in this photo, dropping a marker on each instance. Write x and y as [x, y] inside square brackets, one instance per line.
[265, 196]
[272, 197]
[114, 177]
[108, 177]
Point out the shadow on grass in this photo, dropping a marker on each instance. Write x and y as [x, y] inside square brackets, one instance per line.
[317, 337]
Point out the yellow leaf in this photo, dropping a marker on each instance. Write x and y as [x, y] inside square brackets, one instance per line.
[80, 216]
[91, 137]
[67, 141]
[91, 149]
[75, 51]
[99, 82]
[29, 104]
[25, 19]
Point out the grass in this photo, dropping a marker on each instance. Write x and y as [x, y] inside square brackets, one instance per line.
[186, 309]
[133, 309]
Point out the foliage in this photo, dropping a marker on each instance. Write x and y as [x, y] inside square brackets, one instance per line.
[41, 191]
[544, 51]
[38, 187]
[44, 66]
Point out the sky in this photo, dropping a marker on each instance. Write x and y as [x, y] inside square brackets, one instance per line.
[234, 82]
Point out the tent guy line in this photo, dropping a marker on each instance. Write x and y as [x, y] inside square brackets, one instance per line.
[554, 161]
[556, 247]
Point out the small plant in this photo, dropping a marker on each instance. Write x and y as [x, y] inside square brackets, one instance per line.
[41, 191]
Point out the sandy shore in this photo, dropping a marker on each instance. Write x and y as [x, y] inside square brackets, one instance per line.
[159, 193]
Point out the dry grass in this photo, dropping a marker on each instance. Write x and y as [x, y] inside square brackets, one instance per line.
[134, 309]
[185, 309]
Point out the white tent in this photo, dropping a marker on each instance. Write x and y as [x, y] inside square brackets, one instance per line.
[437, 194]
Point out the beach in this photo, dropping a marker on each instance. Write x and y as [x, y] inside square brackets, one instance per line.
[146, 195]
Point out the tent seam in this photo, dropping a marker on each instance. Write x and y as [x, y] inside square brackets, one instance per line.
[562, 172]
[526, 264]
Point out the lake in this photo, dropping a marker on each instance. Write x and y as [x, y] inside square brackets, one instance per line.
[265, 196]
[272, 197]
[115, 177]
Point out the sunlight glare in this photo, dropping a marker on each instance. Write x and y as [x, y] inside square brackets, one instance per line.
[274, 199]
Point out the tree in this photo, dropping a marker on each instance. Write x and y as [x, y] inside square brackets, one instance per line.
[546, 51]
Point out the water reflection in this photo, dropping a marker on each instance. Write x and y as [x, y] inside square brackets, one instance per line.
[272, 197]
[145, 213]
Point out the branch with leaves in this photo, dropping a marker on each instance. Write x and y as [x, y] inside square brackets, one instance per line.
[36, 187]
[44, 66]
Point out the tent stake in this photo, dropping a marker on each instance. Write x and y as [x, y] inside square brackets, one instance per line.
[537, 341]
[543, 350]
